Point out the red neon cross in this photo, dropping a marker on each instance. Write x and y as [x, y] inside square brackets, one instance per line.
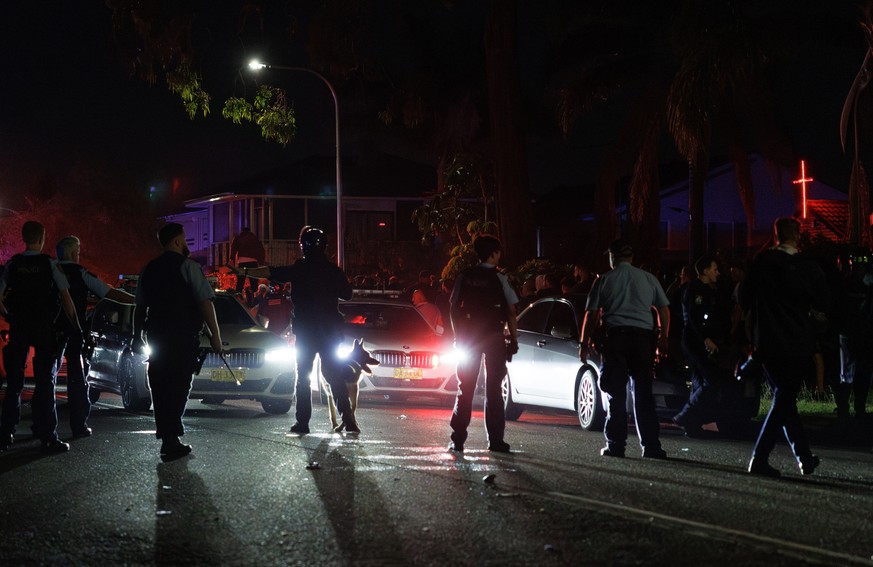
[803, 181]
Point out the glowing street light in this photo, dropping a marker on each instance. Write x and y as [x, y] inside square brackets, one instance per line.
[256, 65]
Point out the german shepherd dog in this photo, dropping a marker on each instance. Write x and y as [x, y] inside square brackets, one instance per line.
[359, 360]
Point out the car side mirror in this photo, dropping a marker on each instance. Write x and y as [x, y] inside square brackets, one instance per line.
[561, 332]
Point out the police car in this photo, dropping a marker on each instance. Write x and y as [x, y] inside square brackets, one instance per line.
[255, 363]
[415, 360]
[547, 372]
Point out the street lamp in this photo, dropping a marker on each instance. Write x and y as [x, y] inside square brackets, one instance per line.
[255, 65]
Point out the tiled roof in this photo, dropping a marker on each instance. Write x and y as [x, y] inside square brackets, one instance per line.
[827, 218]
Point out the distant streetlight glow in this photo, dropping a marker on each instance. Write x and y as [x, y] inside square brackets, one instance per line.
[256, 65]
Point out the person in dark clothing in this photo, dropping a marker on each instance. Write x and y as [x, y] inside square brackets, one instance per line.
[622, 300]
[584, 279]
[482, 303]
[316, 286]
[36, 292]
[173, 301]
[781, 290]
[247, 252]
[423, 284]
[854, 321]
[706, 344]
[81, 283]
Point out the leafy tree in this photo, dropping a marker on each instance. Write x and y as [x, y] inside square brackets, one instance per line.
[694, 69]
[421, 66]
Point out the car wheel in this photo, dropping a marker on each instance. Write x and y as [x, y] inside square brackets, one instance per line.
[511, 410]
[93, 394]
[589, 405]
[276, 407]
[130, 396]
[212, 400]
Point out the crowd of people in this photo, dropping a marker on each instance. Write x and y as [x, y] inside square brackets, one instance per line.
[718, 317]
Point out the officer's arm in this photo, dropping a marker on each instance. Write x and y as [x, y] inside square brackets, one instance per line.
[208, 311]
[258, 272]
[589, 326]
[70, 309]
[139, 317]
[664, 316]
[120, 296]
[512, 323]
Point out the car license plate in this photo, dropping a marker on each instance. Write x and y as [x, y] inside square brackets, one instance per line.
[407, 373]
[224, 375]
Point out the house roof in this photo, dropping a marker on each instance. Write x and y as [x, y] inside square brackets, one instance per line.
[827, 218]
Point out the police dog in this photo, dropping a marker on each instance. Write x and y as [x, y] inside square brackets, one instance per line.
[359, 360]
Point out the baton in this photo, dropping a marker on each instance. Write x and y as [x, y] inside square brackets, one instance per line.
[221, 356]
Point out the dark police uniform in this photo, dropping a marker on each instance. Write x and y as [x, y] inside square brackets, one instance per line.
[780, 290]
[33, 282]
[706, 315]
[81, 282]
[316, 285]
[854, 320]
[171, 288]
[626, 295]
[479, 303]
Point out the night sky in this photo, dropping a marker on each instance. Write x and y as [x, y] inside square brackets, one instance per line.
[67, 103]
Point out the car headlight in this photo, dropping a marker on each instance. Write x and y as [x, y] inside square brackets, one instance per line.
[283, 354]
[147, 350]
[454, 356]
[343, 351]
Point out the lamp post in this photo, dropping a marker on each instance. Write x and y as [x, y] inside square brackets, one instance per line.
[340, 257]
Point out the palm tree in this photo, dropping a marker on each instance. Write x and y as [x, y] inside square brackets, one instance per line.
[694, 68]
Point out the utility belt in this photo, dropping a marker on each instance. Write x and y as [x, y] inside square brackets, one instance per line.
[629, 331]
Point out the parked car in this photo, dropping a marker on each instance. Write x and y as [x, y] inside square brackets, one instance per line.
[263, 366]
[547, 372]
[414, 360]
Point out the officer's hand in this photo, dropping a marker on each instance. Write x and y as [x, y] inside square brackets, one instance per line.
[511, 348]
[215, 342]
[236, 270]
[711, 347]
[584, 350]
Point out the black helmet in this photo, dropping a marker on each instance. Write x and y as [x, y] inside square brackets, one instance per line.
[312, 240]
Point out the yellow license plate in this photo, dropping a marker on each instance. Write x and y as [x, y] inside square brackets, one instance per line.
[224, 375]
[407, 373]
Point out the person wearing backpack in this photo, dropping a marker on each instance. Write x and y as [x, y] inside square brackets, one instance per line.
[481, 304]
[36, 291]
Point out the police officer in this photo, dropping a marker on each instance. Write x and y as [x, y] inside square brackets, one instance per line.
[482, 301]
[173, 300]
[706, 344]
[316, 286]
[35, 285]
[622, 301]
[854, 320]
[781, 289]
[81, 282]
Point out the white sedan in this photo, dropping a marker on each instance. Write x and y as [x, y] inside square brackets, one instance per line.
[260, 365]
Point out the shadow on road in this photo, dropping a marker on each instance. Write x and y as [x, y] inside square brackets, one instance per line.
[189, 527]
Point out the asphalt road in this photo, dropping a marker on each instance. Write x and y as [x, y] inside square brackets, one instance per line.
[250, 494]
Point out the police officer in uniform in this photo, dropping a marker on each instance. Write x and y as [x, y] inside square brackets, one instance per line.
[854, 320]
[37, 290]
[781, 290]
[316, 286]
[622, 301]
[706, 344]
[482, 301]
[81, 282]
[173, 300]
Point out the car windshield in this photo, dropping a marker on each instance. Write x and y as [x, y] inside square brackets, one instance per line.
[393, 318]
[230, 312]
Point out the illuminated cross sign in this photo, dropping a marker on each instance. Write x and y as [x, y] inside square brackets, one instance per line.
[803, 181]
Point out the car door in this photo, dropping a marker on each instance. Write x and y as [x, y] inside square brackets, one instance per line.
[559, 355]
[525, 368]
[110, 331]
